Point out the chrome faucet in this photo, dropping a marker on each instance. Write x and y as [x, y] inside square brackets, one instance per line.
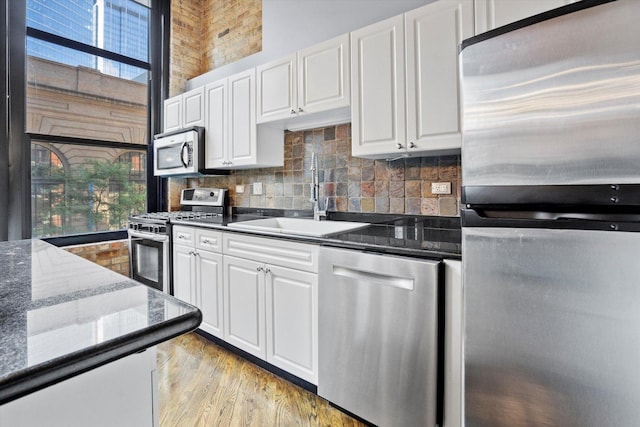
[318, 213]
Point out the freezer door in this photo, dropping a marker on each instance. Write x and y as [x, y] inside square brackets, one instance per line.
[556, 102]
[552, 327]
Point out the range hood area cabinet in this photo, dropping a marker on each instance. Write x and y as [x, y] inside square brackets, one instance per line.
[183, 111]
[295, 89]
[405, 100]
[233, 140]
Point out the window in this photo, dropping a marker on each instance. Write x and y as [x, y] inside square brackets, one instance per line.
[87, 113]
[47, 190]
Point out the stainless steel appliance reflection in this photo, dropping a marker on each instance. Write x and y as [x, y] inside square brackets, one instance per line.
[551, 194]
[378, 336]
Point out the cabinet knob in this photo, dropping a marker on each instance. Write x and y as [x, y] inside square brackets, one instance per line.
[206, 241]
[293, 111]
[267, 270]
[259, 268]
[399, 146]
[412, 145]
[300, 110]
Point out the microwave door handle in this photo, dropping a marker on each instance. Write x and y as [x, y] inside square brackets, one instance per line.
[182, 150]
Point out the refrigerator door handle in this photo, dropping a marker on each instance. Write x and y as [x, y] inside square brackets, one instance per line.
[555, 216]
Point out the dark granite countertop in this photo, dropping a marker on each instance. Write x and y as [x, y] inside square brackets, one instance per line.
[61, 315]
[409, 235]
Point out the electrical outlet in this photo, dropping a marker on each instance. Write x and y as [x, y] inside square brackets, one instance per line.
[441, 188]
[257, 188]
[239, 189]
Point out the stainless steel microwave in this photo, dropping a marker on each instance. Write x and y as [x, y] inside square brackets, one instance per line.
[179, 153]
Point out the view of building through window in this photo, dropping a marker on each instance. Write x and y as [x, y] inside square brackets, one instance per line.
[86, 114]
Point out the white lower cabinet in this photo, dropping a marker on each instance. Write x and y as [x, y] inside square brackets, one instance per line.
[271, 304]
[197, 274]
[244, 305]
[292, 321]
[258, 294]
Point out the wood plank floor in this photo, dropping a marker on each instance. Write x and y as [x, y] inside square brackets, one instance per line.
[202, 384]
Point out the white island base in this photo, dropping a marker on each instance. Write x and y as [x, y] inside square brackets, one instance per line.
[121, 393]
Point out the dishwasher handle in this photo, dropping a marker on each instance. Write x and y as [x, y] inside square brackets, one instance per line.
[374, 278]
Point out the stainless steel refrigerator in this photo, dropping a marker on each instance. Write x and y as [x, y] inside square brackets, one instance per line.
[551, 219]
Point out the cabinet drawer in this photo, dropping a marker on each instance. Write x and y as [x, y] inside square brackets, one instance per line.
[301, 256]
[208, 240]
[183, 235]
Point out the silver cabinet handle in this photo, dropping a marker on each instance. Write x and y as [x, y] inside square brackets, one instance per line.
[267, 270]
[412, 145]
[293, 111]
[399, 146]
[259, 268]
[206, 241]
[180, 236]
[300, 110]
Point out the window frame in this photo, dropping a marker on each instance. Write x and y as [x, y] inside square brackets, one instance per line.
[15, 142]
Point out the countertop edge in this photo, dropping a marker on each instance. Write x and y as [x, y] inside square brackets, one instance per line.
[328, 241]
[56, 370]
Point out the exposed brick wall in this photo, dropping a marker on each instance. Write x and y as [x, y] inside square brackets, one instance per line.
[232, 31]
[352, 184]
[206, 34]
[186, 46]
[113, 255]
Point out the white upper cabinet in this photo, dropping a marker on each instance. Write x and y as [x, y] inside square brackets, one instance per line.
[233, 140]
[217, 122]
[313, 80]
[172, 113]
[184, 110]
[490, 14]
[378, 88]
[242, 119]
[323, 76]
[433, 35]
[406, 98]
[277, 89]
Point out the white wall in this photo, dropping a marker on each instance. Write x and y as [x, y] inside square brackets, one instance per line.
[289, 25]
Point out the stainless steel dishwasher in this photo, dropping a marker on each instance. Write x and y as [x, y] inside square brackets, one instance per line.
[378, 336]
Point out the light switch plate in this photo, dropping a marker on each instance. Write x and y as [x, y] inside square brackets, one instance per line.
[257, 188]
[239, 189]
[440, 188]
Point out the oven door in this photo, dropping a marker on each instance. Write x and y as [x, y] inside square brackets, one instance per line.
[149, 259]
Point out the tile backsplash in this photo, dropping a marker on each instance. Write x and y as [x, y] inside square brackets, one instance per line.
[351, 184]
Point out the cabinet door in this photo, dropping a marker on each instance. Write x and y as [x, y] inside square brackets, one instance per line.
[193, 107]
[434, 33]
[209, 288]
[183, 274]
[216, 122]
[244, 304]
[324, 80]
[172, 113]
[378, 89]
[242, 119]
[490, 14]
[292, 321]
[276, 89]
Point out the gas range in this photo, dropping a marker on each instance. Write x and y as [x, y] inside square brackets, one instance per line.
[196, 204]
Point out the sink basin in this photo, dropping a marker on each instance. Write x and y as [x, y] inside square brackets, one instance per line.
[298, 226]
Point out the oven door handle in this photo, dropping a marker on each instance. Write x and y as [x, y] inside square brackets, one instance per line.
[150, 236]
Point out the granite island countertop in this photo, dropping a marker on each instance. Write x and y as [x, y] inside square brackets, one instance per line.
[61, 315]
[406, 235]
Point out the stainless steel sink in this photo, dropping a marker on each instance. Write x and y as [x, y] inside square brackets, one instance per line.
[298, 226]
